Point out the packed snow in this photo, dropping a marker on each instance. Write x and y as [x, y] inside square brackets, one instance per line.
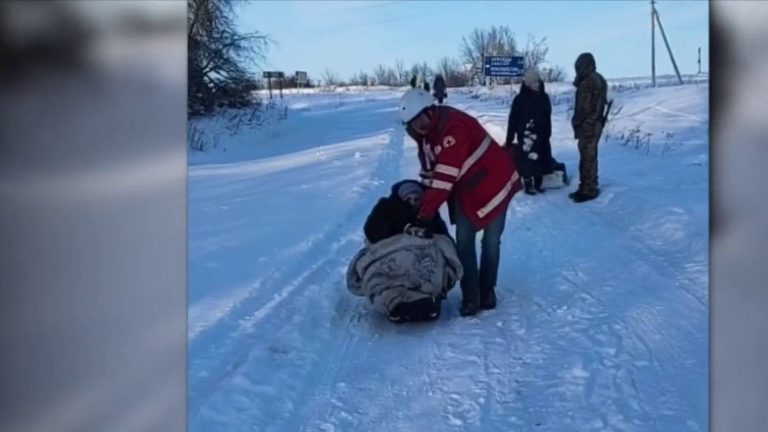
[603, 306]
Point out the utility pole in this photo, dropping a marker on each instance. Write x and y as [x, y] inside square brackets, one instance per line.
[666, 42]
[653, 43]
[699, 60]
[482, 67]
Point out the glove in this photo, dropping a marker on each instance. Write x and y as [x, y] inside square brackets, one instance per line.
[533, 156]
[418, 229]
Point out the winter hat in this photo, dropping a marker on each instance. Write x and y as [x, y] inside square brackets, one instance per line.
[585, 63]
[531, 78]
[409, 188]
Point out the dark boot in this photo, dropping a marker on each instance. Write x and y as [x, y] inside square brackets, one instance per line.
[488, 301]
[537, 181]
[469, 309]
[579, 197]
[529, 189]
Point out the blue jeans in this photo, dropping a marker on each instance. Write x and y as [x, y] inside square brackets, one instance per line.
[475, 284]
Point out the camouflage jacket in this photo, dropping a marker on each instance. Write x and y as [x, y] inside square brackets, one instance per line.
[591, 94]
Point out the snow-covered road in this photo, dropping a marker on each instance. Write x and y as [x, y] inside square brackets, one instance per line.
[603, 306]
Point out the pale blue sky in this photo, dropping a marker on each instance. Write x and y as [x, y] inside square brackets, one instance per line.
[349, 36]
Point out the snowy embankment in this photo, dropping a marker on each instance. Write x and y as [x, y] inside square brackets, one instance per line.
[602, 316]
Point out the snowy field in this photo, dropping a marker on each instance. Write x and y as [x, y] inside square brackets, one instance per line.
[603, 306]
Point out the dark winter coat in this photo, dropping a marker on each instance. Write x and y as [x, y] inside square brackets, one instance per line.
[439, 87]
[591, 94]
[391, 214]
[532, 111]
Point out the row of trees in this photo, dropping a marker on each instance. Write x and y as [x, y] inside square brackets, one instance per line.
[222, 61]
[465, 70]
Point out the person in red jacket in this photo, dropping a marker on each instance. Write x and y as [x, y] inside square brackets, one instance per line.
[466, 166]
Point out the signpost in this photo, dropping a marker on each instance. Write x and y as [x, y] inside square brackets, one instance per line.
[274, 74]
[504, 66]
[301, 78]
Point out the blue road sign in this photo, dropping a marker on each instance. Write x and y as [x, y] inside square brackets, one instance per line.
[504, 66]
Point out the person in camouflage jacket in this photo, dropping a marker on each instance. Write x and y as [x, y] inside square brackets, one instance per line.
[587, 122]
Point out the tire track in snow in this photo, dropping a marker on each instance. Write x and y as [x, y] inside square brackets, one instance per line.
[606, 333]
[612, 335]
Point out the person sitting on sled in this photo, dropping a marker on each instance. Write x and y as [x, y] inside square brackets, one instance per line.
[405, 271]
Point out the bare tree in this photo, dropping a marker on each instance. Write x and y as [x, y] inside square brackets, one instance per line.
[380, 75]
[535, 52]
[481, 43]
[220, 57]
[402, 73]
[452, 72]
[330, 78]
[392, 77]
[361, 78]
[385, 76]
[425, 72]
[553, 74]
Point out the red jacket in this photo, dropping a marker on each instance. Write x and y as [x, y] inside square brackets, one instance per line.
[464, 160]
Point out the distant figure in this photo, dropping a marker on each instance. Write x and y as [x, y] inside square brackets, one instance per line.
[426, 85]
[439, 86]
[587, 122]
[530, 121]
[413, 81]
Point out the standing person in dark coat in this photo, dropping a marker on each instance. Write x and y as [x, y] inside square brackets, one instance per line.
[413, 81]
[439, 87]
[529, 129]
[394, 213]
[587, 122]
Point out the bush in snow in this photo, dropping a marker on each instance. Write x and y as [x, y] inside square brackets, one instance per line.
[635, 138]
[203, 133]
[199, 139]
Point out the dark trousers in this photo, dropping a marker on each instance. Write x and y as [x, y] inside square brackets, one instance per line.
[478, 283]
[588, 165]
